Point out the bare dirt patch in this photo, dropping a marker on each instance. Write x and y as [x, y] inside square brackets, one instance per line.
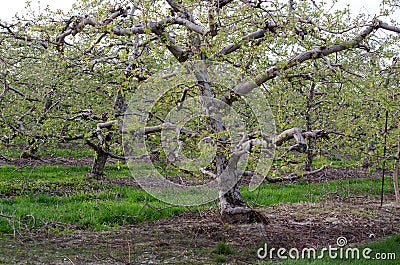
[193, 237]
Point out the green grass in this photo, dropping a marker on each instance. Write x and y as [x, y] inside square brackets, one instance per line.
[40, 195]
[331, 161]
[43, 194]
[381, 248]
[72, 153]
[270, 194]
[116, 206]
[223, 248]
[337, 162]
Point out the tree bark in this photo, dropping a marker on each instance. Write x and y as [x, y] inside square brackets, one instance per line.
[99, 164]
[232, 207]
[101, 149]
[309, 127]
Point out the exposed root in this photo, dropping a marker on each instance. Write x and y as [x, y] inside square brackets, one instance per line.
[243, 215]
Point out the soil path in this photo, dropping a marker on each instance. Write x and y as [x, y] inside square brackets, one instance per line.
[201, 238]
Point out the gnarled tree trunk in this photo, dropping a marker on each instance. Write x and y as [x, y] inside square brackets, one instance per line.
[101, 148]
[233, 208]
[99, 163]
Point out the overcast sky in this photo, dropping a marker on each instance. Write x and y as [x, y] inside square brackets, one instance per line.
[10, 7]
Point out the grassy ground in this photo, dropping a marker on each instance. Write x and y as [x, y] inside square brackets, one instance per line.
[51, 209]
[269, 194]
[34, 196]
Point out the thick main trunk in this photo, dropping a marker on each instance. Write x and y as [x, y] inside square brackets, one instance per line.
[233, 208]
[99, 164]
